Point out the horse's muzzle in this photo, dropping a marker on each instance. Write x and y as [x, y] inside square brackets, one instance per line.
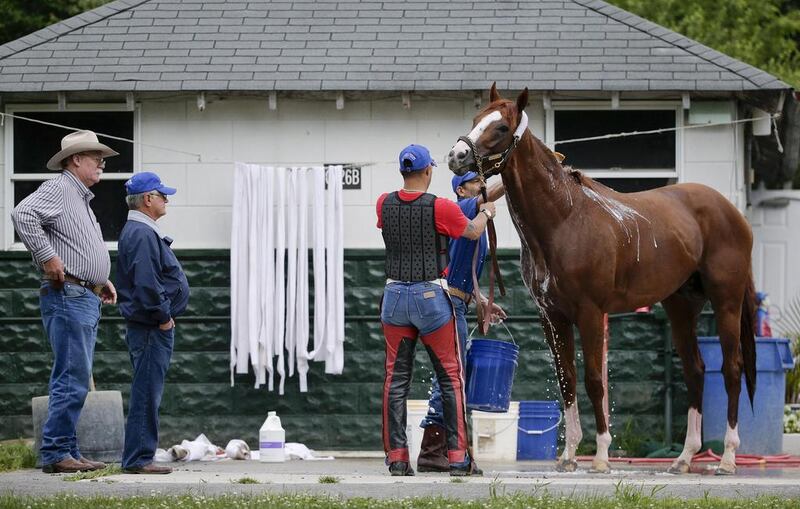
[460, 159]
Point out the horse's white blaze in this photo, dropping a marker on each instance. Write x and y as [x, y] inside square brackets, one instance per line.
[460, 149]
[603, 442]
[483, 124]
[731, 444]
[694, 427]
[574, 433]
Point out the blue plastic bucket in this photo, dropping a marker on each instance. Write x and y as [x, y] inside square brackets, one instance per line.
[760, 429]
[537, 433]
[490, 374]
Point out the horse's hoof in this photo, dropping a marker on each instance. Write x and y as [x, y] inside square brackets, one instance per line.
[566, 466]
[725, 469]
[600, 467]
[678, 467]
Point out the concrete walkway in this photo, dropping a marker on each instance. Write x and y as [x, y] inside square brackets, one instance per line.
[368, 477]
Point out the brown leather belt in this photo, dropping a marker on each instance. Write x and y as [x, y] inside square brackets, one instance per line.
[95, 289]
[455, 292]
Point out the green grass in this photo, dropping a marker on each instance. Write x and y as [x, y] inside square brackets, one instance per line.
[626, 497]
[245, 480]
[328, 479]
[16, 454]
[457, 480]
[95, 474]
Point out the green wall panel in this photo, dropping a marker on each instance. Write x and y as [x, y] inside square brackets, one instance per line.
[338, 412]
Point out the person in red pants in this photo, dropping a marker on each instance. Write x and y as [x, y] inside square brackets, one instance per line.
[416, 226]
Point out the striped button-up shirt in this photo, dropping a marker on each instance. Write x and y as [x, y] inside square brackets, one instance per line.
[56, 220]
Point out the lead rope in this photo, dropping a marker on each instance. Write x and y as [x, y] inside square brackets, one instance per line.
[494, 273]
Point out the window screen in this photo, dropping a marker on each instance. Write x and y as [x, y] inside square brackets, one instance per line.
[642, 152]
[35, 143]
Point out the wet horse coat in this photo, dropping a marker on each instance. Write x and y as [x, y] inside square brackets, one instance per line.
[588, 250]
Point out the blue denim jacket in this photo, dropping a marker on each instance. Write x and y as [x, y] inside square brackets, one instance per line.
[151, 285]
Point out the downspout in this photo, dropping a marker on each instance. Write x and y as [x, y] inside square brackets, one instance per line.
[791, 125]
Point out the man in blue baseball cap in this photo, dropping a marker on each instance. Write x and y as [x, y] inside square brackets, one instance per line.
[433, 450]
[153, 290]
[416, 226]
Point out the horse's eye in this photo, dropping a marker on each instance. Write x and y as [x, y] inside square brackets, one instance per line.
[502, 128]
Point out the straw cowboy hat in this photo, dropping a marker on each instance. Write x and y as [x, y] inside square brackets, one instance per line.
[79, 141]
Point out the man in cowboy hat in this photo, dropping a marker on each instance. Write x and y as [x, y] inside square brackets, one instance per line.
[153, 290]
[60, 230]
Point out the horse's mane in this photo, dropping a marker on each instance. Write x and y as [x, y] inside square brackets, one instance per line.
[584, 180]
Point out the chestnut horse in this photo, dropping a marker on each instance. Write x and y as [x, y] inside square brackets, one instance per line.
[588, 250]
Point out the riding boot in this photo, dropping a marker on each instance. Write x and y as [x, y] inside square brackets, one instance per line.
[433, 450]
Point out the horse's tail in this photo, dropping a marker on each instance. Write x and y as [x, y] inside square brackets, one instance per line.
[747, 338]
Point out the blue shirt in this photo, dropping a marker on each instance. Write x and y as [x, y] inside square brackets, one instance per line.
[459, 273]
[151, 285]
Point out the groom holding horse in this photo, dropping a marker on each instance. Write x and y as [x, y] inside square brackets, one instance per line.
[465, 255]
[415, 226]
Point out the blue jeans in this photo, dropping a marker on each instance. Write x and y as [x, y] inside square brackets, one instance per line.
[435, 413]
[70, 316]
[422, 305]
[150, 351]
[412, 311]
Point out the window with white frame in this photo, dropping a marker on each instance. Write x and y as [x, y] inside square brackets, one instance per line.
[29, 145]
[628, 163]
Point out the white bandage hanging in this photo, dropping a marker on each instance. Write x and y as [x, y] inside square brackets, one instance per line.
[277, 212]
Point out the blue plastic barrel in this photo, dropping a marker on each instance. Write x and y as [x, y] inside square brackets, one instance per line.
[490, 374]
[537, 433]
[760, 429]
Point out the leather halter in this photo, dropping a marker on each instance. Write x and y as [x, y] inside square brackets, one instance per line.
[501, 157]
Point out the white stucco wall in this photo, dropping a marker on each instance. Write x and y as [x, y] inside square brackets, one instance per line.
[304, 132]
[298, 132]
[714, 156]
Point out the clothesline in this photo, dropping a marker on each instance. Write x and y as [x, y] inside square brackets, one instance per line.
[103, 135]
[772, 117]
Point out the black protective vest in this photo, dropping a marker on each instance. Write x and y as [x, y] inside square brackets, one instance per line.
[415, 251]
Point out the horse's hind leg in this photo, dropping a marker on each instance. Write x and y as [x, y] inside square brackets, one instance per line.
[683, 311]
[560, 339]
[592, 332]
[727, 304]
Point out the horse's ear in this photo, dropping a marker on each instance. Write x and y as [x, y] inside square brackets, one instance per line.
[522, 100]
[493, 95]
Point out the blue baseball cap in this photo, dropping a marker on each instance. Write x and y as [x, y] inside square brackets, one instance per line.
[415, 158]
[461, 179]
[145, 182]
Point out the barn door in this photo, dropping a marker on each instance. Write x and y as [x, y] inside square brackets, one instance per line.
[775, 217]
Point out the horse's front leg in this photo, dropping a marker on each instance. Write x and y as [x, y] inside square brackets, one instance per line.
[560, 339]
[591, 327]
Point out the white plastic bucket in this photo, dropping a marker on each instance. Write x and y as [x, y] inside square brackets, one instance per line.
[494, 435]
[416, 409]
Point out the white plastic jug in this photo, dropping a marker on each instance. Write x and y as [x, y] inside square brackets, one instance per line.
[272, 440]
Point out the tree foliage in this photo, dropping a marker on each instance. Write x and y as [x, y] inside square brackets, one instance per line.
[21, 17]
[762, 33]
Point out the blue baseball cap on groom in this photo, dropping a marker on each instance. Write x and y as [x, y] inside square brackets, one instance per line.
[415, 158]
[461, 179]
